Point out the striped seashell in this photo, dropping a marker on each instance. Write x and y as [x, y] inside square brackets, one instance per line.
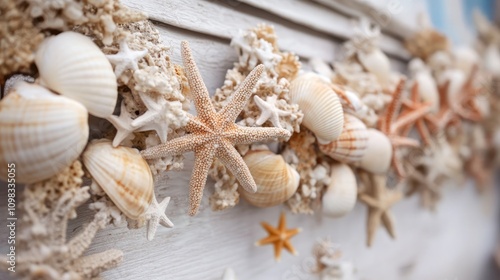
[276, 180]
[123, 174]
[351, 145]
[40, 132]
[321, 106]
[72, 65]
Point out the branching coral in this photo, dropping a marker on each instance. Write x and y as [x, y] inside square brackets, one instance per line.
[44, 252]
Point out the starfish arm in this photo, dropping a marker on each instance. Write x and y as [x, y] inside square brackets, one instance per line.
[410, 117]
[268, 240]
[392, 108]
[388, 222]
[370, 201]
[290, 247]
[240, 97]
[292, 232]
[161, 129]
[249, 135]
[374, 217]
[175, 146]
[398, 141]
[230, 157]
[282, 222]
[204, 156]
[265, 112]
[199, 91]
[278, 246]
[156, 215]
[270, 229]
[123, 129]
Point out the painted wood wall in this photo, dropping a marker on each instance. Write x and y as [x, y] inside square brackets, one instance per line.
[453, 243]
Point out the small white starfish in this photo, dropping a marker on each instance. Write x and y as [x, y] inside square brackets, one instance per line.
[123, 125]
[229, 274]
[158, 116]
[126, 58]
[269, 111]
[156, 215]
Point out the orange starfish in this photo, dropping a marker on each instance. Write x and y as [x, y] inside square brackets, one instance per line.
[414, 104]
[466, 106]
[391, 124]
[279, 237]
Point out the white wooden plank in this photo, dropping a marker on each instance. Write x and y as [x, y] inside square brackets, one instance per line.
[224, 21]
[312, 15]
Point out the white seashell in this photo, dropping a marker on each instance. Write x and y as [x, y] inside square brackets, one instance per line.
[377, 63]
[427, 87]
[491, 59]
[72, 65]
[340, 196]
[378, 154]
[276, 180]
[41, 133]
[465, 59]
[321, 106]
[123, 174]
[351, 145]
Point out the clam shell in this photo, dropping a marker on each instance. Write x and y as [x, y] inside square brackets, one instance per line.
[276, 180]
[41, 133]
[72, 65]
[323, 113]
[351, 145]
[377, 63]
[340, 196]
[378, 154]
[123, 174]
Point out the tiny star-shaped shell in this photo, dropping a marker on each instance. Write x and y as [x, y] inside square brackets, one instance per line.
[157, 117]
[126, 58]
[214, 134]
[123, 125]
[156, 215]
[269, 111]
[379, 200]
[279, 237]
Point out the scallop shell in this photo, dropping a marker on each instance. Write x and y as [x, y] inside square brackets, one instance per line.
[340, 196]
[123, 174]
[323, 113]
[351, 145]
[41, 133]
[276, 180]
[72, 65]
[378, 154]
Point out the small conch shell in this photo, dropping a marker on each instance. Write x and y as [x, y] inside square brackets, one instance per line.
[340, 196]
[351, 145]
[378, 154]
[72, 65]
[41, 133]
[321, 106]
[276, 180]
[123, 174]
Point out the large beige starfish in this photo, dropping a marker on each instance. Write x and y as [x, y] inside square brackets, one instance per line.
[214, 134]
[379, 200]
[279, 237]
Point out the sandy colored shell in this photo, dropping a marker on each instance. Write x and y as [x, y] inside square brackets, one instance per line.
[340, 196]
[72, 65]
[377, 63]
[322, 109]
[123, 174]
[378, 154]
[276, 180]
[40, 132]
[351, 144]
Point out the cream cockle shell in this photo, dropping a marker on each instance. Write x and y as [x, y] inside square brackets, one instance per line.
[340, 196]
[123, 174]
[377, 63]
[427, 87]
[378, 154]
[72, 65]
[276, 180]
[41, 133]
[321, 106]
[351, 145]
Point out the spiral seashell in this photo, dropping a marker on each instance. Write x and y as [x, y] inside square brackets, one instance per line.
[72, 65]
[323, 113]
[41, 133]
[276, 180]
[340, 196]
[351, 145]
[123, 174]
[378, 154]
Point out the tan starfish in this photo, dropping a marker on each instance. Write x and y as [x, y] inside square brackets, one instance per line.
[466, 106]
[379, 200]
[279, 237]
[391, 124]
[214, 134]
[429, 191]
